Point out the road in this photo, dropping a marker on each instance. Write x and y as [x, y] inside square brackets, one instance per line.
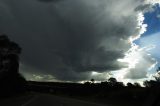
[46, 100]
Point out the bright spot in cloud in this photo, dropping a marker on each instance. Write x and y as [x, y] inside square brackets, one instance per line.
[132, 57]
[153, 1]
[94, 73]
[119, 75]
[139, 63]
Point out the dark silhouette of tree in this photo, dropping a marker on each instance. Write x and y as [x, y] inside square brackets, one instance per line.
[92, 80]
[87, 83]
[120, 84]
[105, 83]
[130, 85]
[10, 79]
[136, 84]
[146, 83]
[150, 83]
[112, 81]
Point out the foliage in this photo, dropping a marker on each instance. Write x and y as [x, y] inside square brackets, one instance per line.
[10, 78]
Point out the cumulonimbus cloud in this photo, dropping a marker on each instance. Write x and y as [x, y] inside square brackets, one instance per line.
[72, 38]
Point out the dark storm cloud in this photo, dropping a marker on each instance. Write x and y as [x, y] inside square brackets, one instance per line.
[145, 8]
[70, 39]
[49, 0]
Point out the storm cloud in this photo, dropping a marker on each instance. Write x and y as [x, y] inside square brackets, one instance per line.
[49, 0]
[70, 39]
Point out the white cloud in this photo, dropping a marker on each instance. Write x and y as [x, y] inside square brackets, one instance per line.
[153, 2]
[142, 63]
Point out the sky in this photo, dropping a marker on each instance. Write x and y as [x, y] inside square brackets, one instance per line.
[150, 39]
[76, 40]
[151, 36]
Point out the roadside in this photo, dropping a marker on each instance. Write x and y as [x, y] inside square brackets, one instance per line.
[17, 100]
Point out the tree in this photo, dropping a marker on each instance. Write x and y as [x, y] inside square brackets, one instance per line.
[10, 78]
[146, 83]
[112, 81]
[130, 85]
[150, 83]
[9, 56]
[136, 84]
[92, 80]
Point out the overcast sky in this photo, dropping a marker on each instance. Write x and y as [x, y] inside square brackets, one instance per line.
[76, 40]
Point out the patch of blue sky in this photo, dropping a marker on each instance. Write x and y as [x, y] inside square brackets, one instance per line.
[152, 19]
[151, 38]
